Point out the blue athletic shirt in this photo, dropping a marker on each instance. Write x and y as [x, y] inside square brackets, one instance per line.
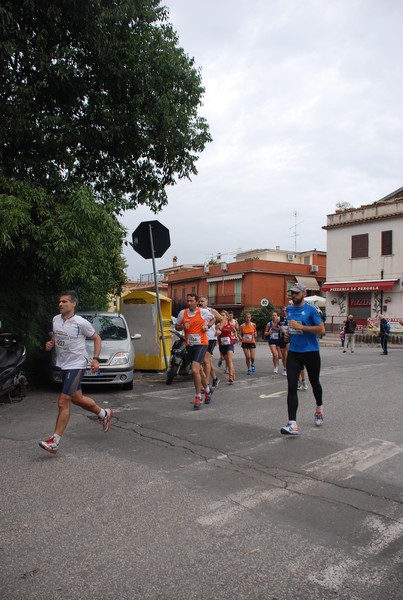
[301, 341]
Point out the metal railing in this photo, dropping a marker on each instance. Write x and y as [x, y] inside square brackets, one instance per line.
[227, 300]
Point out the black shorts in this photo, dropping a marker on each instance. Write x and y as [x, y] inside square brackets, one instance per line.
[227, 348]
[248, 345]
[211, 346]
[282, 343]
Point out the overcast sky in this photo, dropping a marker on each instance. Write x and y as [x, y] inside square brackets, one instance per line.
[304, 103]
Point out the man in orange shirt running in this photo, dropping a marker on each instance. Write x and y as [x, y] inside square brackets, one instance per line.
[195, 321]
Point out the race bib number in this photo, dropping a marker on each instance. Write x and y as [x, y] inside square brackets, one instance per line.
[225, 341]
[295, 331]
[62, 342]
[194, 339]
[274, 335]
[248, 337]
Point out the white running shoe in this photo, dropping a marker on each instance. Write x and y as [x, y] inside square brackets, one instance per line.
[50, 445]
[290, 429]
[285, 373]
[106, 421]
[275, 370]
[319, 416]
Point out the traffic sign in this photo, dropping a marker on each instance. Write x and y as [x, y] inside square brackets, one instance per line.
[264, 302]
[151, 240]
[151, 235]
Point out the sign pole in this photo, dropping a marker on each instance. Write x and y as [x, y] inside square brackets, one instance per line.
[158, 296]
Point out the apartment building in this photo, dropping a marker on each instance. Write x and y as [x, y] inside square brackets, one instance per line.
[254, 277]
[365, 261]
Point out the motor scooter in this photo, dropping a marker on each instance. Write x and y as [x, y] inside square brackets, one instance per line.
[12, 356]
[179, 361]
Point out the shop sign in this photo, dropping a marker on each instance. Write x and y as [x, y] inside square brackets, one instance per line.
[360, 302]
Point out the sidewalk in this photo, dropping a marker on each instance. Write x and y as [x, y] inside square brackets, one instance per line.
[333, 340]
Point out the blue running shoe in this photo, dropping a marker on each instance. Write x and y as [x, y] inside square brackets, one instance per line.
[197, 403]
[208, 396]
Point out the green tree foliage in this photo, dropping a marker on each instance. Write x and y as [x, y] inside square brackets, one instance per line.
[98, 92]
[98, 113]
[48, 246]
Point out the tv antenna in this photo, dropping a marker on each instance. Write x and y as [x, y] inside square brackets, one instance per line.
[294, 227]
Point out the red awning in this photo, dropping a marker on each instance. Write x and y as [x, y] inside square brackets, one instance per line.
[359, 286]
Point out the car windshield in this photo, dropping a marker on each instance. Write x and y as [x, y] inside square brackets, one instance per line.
[108, 327]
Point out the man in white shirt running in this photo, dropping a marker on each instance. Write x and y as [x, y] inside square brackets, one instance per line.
[212, 342]
[68, 338]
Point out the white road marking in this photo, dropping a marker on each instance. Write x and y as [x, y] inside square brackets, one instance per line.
[385, 534]
[358, 458]
[274, 395]
[220, 513]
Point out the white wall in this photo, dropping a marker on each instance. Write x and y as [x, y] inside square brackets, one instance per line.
[341, 267]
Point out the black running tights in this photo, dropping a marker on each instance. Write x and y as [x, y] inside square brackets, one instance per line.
[296, 361]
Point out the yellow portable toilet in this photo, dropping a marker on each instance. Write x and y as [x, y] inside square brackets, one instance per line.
[141, 313]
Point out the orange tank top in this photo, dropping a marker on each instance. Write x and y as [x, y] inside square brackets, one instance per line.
[248, 333]
[194, 335]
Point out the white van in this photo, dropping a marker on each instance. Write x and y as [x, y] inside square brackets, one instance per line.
[116, 360]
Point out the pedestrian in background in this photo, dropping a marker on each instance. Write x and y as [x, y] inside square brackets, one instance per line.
[349, 333]
[384, 332]
[342, 335]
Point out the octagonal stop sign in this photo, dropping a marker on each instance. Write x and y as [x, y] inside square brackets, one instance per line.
[149, 234]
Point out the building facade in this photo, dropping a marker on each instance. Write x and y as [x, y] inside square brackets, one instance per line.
[365, 261]
[254, 277]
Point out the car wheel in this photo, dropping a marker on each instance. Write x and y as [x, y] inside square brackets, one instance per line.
[128, 385]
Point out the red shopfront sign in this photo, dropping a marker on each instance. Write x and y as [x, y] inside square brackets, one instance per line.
[360, 302]
[359, 286]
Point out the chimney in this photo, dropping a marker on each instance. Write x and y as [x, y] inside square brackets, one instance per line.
[175, 261]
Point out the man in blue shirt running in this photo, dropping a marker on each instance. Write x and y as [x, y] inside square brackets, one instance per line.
[304, 325]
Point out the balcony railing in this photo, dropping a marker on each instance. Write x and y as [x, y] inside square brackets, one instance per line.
[149, 277]
[227, 300]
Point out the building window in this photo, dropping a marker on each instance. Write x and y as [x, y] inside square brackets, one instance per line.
[359, 246]
[175, 293]
[211, 292]
[386, 243]
[238, 291]
[183, 294]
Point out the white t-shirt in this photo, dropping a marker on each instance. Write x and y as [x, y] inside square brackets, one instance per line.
[211, 334]
[70, 338]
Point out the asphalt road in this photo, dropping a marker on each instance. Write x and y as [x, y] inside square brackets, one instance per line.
[174, 504]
